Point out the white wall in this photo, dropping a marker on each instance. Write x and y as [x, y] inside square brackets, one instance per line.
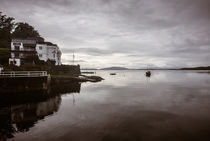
[41, 50]
[44, 52]
[50, 52]
[13, 46]
[14, 61]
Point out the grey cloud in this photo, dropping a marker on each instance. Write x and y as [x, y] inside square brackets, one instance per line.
[70, 60]
[89, 51]
[162, 32]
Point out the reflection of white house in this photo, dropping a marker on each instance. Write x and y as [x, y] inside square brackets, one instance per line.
[1, 68]
[32, 112]
[48, 51]
[24, 50]
[48, 107]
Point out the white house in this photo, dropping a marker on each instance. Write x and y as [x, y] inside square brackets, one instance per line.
[21, 51]
[48, 51]
[24, 50]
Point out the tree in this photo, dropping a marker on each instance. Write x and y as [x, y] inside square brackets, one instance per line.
[8, 30]
[24, 30]
[4, 56]
[6, 26]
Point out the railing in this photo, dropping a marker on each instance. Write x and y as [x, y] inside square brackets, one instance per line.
[24, 49]
[23, 74]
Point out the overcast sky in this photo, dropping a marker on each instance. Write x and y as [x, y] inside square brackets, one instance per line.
[126, 33]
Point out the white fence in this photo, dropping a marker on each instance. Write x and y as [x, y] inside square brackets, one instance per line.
[23, 74]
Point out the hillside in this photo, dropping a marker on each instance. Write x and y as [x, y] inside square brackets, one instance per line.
[197, 68]
[115, 68]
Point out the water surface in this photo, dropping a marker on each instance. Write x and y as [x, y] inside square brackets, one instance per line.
[170, 105]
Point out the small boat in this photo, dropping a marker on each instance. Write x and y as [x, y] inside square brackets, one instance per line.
[112, 73]
[148, 74]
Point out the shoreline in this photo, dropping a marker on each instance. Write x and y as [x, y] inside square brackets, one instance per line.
[79, 78]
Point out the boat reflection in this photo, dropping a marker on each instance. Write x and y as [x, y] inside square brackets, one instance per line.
[21, 111]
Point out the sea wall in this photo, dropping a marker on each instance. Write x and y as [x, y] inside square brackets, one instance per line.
[66, 69]
[62, 69]
[18, 84]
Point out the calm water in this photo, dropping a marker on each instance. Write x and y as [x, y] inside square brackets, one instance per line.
[170, 105]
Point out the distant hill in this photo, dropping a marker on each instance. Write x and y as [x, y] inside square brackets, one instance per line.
[115, 68]
[197, 68]
[89, 69]
[124, 68]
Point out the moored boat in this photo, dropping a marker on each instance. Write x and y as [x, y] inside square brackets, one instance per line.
[148, 73]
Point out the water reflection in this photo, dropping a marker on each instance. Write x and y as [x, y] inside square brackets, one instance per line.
[20, 118]
[170, 105]
[21, 111]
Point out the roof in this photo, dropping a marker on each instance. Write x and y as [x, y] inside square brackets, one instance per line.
[47, 43]
[25, 41]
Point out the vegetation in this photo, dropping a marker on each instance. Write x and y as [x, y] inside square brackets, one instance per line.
[63, 76]
[8, 30]
[4, 56]
[6, 26]
[24, 30]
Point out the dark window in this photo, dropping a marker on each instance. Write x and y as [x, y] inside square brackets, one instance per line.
[16, 44]
[40, 48]
[12, 62]
[16, 55]
[22, 62]
[17, 47]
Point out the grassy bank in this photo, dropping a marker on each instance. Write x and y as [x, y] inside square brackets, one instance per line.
[64, 76]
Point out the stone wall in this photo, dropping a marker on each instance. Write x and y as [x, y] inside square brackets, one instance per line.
[58, 70]
[66, 69]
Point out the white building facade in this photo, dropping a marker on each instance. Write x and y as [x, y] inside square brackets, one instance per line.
[23, 51]
[46, 51]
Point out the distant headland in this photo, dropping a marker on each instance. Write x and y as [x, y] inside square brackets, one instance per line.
[197, 68]
[125, 68]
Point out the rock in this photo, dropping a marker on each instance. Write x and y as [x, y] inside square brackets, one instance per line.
[91, 78]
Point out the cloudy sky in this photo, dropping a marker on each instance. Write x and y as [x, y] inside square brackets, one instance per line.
[126, 33]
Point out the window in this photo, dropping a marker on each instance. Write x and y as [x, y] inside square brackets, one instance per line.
[40, 55]
[11, 62]
[16, 55]
[17, 48]
[16, 44]
[53, 55]
[40, 48]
